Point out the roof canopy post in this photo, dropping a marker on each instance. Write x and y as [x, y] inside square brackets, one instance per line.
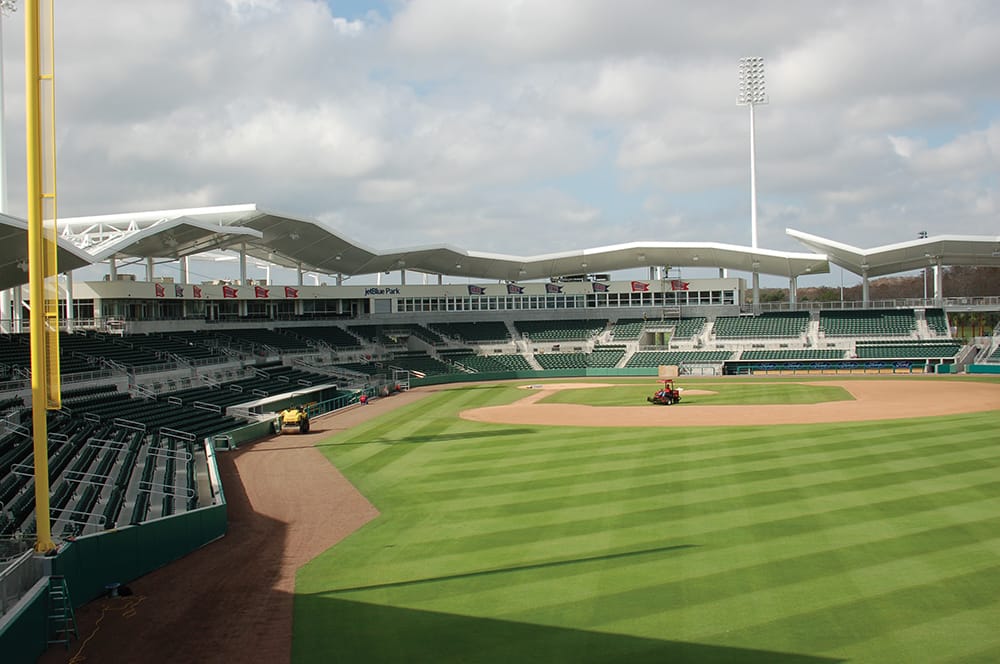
[69, 300]
[243, 263]
[938, 281]
[6, 317]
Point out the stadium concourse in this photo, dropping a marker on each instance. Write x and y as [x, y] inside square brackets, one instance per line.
[161, 375]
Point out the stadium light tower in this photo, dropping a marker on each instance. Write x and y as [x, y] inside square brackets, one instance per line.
[752, 92]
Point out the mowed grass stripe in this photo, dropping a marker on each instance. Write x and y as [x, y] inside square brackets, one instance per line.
[709, 532]
[737, 598]
[376, 446]
[651, 463]
[694, 501]
[715, 568]
[535, 497]
[645, 445]
[676, 507]
[960, 637]
[700, 582]
[767, 593]
[883, 597]
[685, 444]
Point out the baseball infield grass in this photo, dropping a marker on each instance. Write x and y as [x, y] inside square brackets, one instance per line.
[861, 542]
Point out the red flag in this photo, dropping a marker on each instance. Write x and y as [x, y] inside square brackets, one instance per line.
[196, 290]
[260, 291]
[291, 293]
[228, 291]
[160, 290]
[640, 287]
[677, 284]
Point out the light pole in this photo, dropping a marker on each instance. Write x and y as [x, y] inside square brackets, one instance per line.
[752, 92]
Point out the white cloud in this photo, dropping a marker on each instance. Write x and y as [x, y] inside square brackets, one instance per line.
[383, 190]
[905, 146]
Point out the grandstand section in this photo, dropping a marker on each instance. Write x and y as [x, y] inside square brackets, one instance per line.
[659, 358]
[908, 350]
[868, 323]
[474, 363]
[600, 357]
[627, 329]
[479, 332]
[937, 322]
[559, 330]
[420, 364]
[331, 335]
[802, 354]
[766, 325]
[688, 328]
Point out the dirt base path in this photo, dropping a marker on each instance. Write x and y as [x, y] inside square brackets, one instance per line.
[231, 601]
[873, 400]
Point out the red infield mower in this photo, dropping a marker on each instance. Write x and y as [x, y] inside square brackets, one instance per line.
[666, 395]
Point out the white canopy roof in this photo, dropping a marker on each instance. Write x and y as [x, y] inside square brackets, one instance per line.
[292, 241]
[983, 250]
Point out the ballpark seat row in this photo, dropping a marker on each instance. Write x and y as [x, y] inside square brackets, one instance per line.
[559, 330]
[658, 358]
[473, 331]
[491, 363]
[786, 354]
[870, 323]
[766, 325]
[909, 350]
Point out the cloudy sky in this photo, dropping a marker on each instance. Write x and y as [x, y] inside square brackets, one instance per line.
[528, 126]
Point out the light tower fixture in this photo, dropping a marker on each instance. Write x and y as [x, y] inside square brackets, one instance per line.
[752, 91]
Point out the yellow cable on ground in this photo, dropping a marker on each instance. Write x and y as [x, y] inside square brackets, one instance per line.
[125, 605]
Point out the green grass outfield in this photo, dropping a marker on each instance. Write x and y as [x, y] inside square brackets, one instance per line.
[861, 542]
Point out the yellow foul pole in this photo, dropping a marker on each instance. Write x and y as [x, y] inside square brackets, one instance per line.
[42, 271]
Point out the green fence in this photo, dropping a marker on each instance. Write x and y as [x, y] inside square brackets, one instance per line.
[119, 556]
[22, 635]
[93, 562]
